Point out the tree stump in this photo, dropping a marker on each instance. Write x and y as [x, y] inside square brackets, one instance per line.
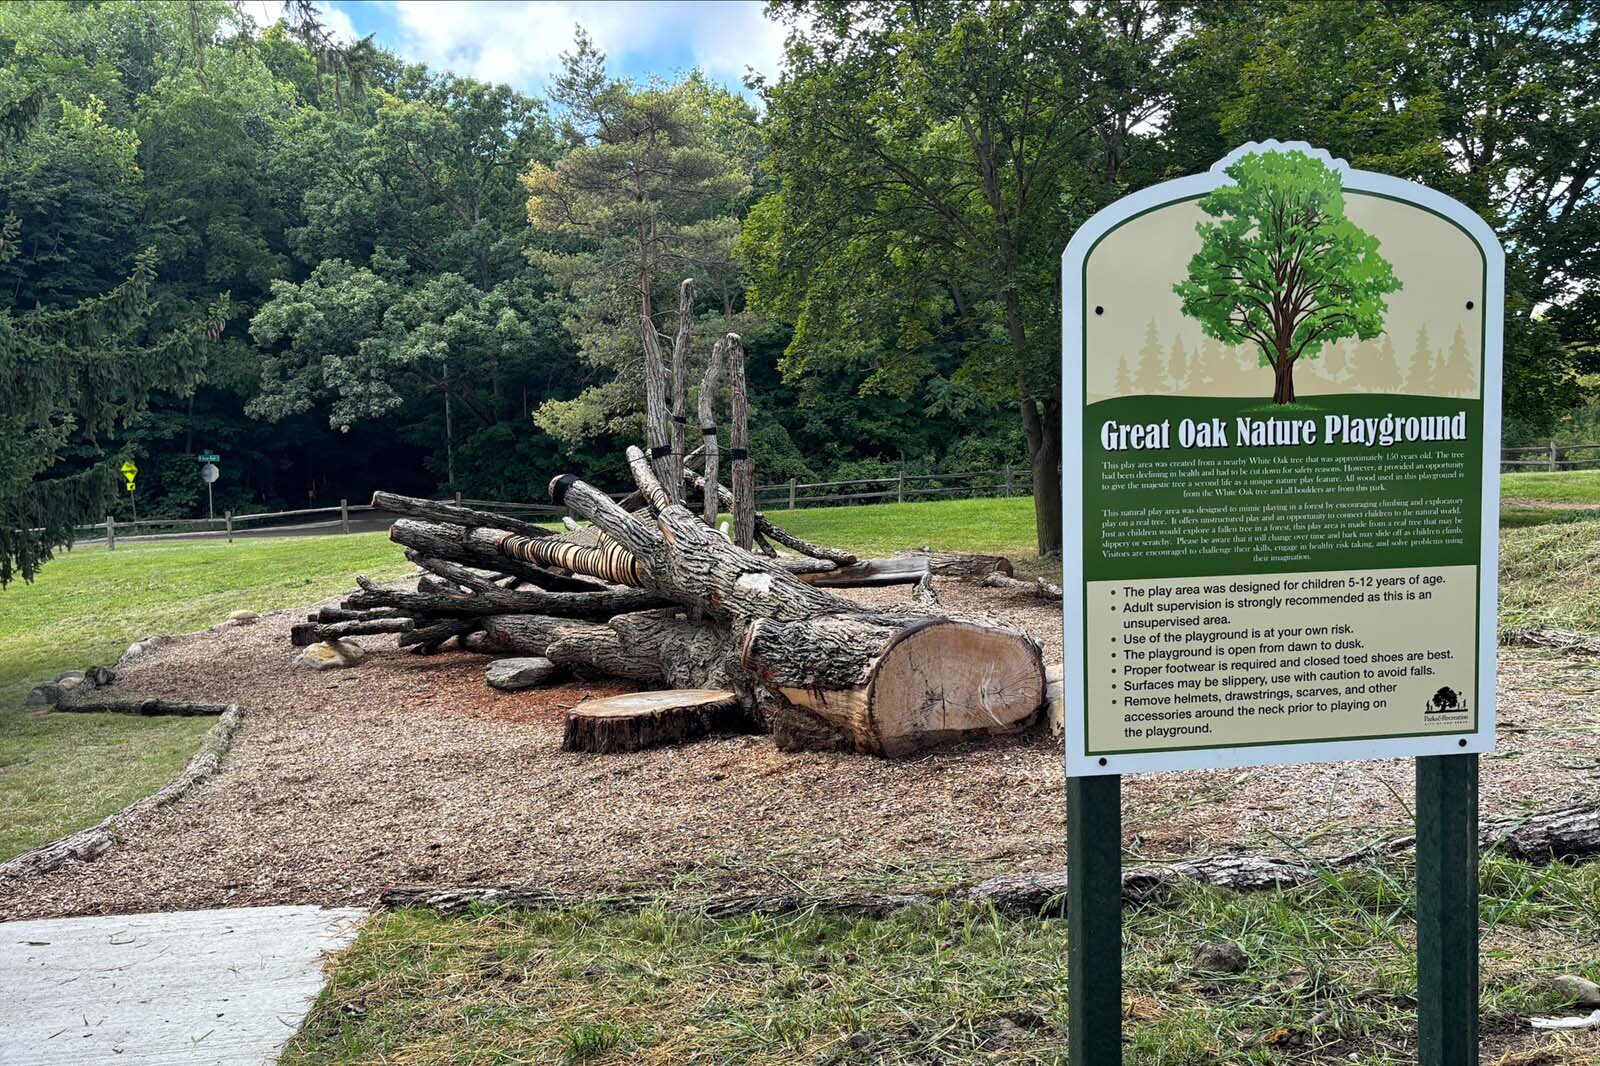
[640, 720]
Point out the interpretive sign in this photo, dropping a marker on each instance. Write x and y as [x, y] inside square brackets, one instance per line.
[1281, 414]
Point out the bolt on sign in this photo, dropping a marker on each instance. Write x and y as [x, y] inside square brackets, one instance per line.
[1283, 377]
[1281, 411]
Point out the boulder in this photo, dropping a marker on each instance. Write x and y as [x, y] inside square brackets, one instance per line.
[67, 684]
[243, 618]
[100, 676]
[512, 675]
[73, 676]
[46, 695]
[331, 655]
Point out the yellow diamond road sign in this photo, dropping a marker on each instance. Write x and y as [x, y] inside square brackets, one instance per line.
[130, 470]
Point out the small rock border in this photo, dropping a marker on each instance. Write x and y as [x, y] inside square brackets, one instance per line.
[89, 844]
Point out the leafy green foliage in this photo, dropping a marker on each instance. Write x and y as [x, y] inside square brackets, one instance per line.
[1283, 267]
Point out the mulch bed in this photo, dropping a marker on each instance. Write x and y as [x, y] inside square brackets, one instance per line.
[410, 770]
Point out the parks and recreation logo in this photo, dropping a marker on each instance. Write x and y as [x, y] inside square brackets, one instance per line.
[1446, 702]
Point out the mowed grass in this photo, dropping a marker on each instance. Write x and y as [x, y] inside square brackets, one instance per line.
[62, 772]
[1562, 486]
[1330, 978]
[986, 526]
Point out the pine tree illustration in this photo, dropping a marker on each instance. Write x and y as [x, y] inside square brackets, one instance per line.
[1459, 369]
[1151, 373]
[1178, 366]
[1420, 378]
[1124, 380]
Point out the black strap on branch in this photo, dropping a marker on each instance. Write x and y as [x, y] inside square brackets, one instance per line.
[656, 453]
[559, 487]
[681, 420]
[710, 431]
[738, 453]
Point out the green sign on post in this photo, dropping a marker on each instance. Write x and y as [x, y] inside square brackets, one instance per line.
[209, 457]
[1282, 378]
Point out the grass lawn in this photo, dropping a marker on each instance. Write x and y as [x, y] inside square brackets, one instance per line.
[61, 772]
[988, 526]
[1331, 972]
[1566, 486]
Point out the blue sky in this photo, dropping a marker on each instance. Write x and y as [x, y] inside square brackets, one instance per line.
[521, 41]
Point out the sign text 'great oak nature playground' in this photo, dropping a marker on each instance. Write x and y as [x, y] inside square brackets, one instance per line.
[1282, 421]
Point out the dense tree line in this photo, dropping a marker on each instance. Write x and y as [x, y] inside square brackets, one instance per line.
[342, 271]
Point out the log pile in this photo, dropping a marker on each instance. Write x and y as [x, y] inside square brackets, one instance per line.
[657, 596]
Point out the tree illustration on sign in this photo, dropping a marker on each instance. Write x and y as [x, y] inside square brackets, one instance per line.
[1282, 267]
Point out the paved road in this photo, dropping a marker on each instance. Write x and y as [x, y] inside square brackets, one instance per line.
[192, 988]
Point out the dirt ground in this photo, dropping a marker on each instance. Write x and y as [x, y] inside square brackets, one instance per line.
[409, 770]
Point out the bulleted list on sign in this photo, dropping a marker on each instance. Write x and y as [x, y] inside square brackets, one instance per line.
[1174, 663]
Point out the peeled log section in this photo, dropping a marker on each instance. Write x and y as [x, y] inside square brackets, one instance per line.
[893, 689]
[651, 719]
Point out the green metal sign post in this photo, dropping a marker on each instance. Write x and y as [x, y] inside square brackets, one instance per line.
[1280, 536]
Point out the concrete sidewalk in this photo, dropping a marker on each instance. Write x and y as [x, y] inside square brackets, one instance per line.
[219, 988]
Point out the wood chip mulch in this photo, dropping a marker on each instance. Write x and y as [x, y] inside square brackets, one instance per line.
[410, 770]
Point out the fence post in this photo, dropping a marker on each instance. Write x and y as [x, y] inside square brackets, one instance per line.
[344, 516]
[900, 488]
[227, 517]
[1008, 480]
[458, 497]
[1554, 465]
[791, 493]
[111, 534]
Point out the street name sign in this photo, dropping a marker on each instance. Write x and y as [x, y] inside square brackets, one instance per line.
[1281, 417]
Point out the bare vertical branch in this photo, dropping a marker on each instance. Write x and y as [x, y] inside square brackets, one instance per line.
[708, 429]
[655, 390]
[680, 384]
[744, 481]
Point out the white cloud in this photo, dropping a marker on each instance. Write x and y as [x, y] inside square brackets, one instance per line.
[521, 42]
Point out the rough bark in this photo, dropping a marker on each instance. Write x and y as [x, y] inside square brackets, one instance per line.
[1040, 587]
[641, 720]
[680, 383]
[708, 430]
[601, 604]
[744, 477]
[764, 527]
[304, 634]
[475, 547]
[89, 704]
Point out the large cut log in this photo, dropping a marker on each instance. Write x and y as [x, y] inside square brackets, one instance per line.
[896, 689]
[450, 514]
[655, 647]
[641, 720]
[888, 682]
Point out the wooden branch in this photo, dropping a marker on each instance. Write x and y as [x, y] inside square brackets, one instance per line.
[1041, 588]
[428, 639]
[450, 514]
[475, 547]
[708, 430]
[680, 384]
[145, 708]
[304, 634]
[744, 478]
[767, 528]
[602, 604]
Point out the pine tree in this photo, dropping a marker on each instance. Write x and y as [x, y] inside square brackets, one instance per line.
[1458, 371]
[1178, 366]
[1151, 374]
[1124, 379]
[1420, 378]
[70, 378]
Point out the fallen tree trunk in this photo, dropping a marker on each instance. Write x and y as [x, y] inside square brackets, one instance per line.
[449, 514]
[478, 548]
[492, 600]
[1039, 587]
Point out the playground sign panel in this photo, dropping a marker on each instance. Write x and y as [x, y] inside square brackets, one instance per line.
[1281, 414]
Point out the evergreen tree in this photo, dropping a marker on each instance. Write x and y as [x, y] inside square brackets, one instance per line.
[1420, 377]
[1124, 380]
[1458, 369]
[1150, 375]
[1178, 366]
[73, 376]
